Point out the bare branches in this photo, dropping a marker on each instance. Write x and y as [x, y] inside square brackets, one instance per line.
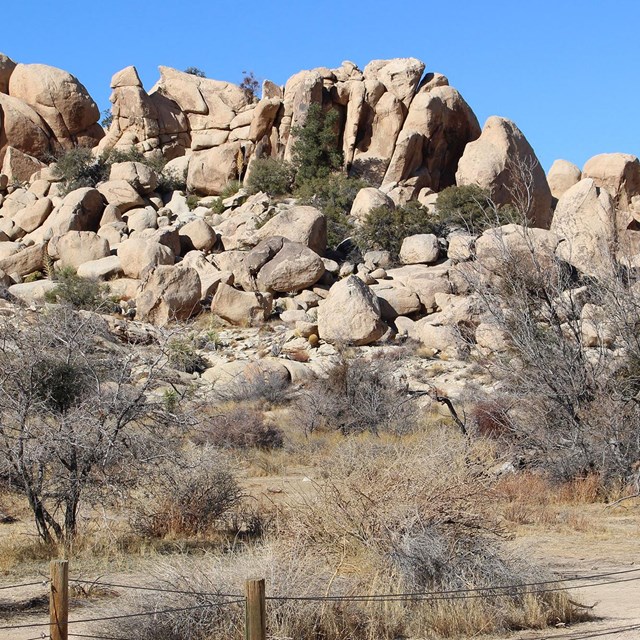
[72, 423]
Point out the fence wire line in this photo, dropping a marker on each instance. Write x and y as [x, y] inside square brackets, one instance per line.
[157, 589]
[596, 576]
[25, 584]
[84, 635]
[126, 615]
[461, 594]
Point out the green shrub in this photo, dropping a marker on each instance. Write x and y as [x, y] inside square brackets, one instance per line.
[194, 71]
[230, 189]
[333, 194]
[78, 167]
[315, 149]
[385, 228]
[79, 292]
[182, 353]
[470, 207]
[271, 176]
[192, 201]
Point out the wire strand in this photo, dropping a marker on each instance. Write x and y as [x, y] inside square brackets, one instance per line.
[477, 592]
[363, 596]
[157, 589]
[24, 584]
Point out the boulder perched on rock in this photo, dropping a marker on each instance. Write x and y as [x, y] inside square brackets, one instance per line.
[80, 210]
[585, 219]
[502, 158]
[367, 200]
[197, 235]
[618, 173]
[350, 314]
[138, 255]
[421, 248]
[562, 176]
[61, 100]
[101, 269]
[293, 268]
[140, 176]
[244, 308]
[301, 224]
[170, 293]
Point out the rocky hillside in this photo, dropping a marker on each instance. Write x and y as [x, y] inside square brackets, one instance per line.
[168, 252]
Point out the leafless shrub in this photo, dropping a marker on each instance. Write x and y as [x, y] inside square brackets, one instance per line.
[187, 495]
[359, 395]
[238, 427]
[256, 385]
[74, 427]
[571, 382]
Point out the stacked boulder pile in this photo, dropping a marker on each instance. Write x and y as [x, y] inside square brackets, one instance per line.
[408, 133]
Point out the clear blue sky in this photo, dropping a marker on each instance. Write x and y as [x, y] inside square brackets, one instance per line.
[566, 71]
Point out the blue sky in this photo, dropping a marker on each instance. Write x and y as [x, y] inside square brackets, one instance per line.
[566, 71]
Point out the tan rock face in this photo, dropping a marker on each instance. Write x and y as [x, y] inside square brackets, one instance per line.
[618, 173]
[20, 166]
[301, 224]
[210, 276]
[446, 124]
[170, 294]
[244, 308]
[140, 176]
[562, 176]
[80, 210]
[139, 255]
[26, 261]
[350, 314]
[23, 129]
[77, 247]
[61, 100]
[34, 215]
[500, 158]
[585, 219]
[210, 171]
[7, 65]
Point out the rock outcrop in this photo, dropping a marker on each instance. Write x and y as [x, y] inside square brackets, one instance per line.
[502, 161]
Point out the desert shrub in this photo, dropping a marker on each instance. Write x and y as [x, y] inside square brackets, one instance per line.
[270, 175]
[490, 418]
[260, 385]
[385, 228]
[239, 427]
[315, 148]
[230, 189]
[182, 354]
[195, 71]
[107, 118]
[79, 292]
[385, 519]
[333, 194]
[78, 167]
[359, 395]
[250, 86]
[188, 496]
[471, 207]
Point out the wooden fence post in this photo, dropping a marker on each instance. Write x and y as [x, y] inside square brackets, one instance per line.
[59, 600]
[256, 610]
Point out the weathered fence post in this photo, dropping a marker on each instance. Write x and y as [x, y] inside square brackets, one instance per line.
[256, 610]
[59, 600]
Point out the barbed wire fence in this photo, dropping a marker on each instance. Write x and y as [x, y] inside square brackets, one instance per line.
[255, 602]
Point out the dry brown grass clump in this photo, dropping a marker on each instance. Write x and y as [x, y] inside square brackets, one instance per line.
[385, 519]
